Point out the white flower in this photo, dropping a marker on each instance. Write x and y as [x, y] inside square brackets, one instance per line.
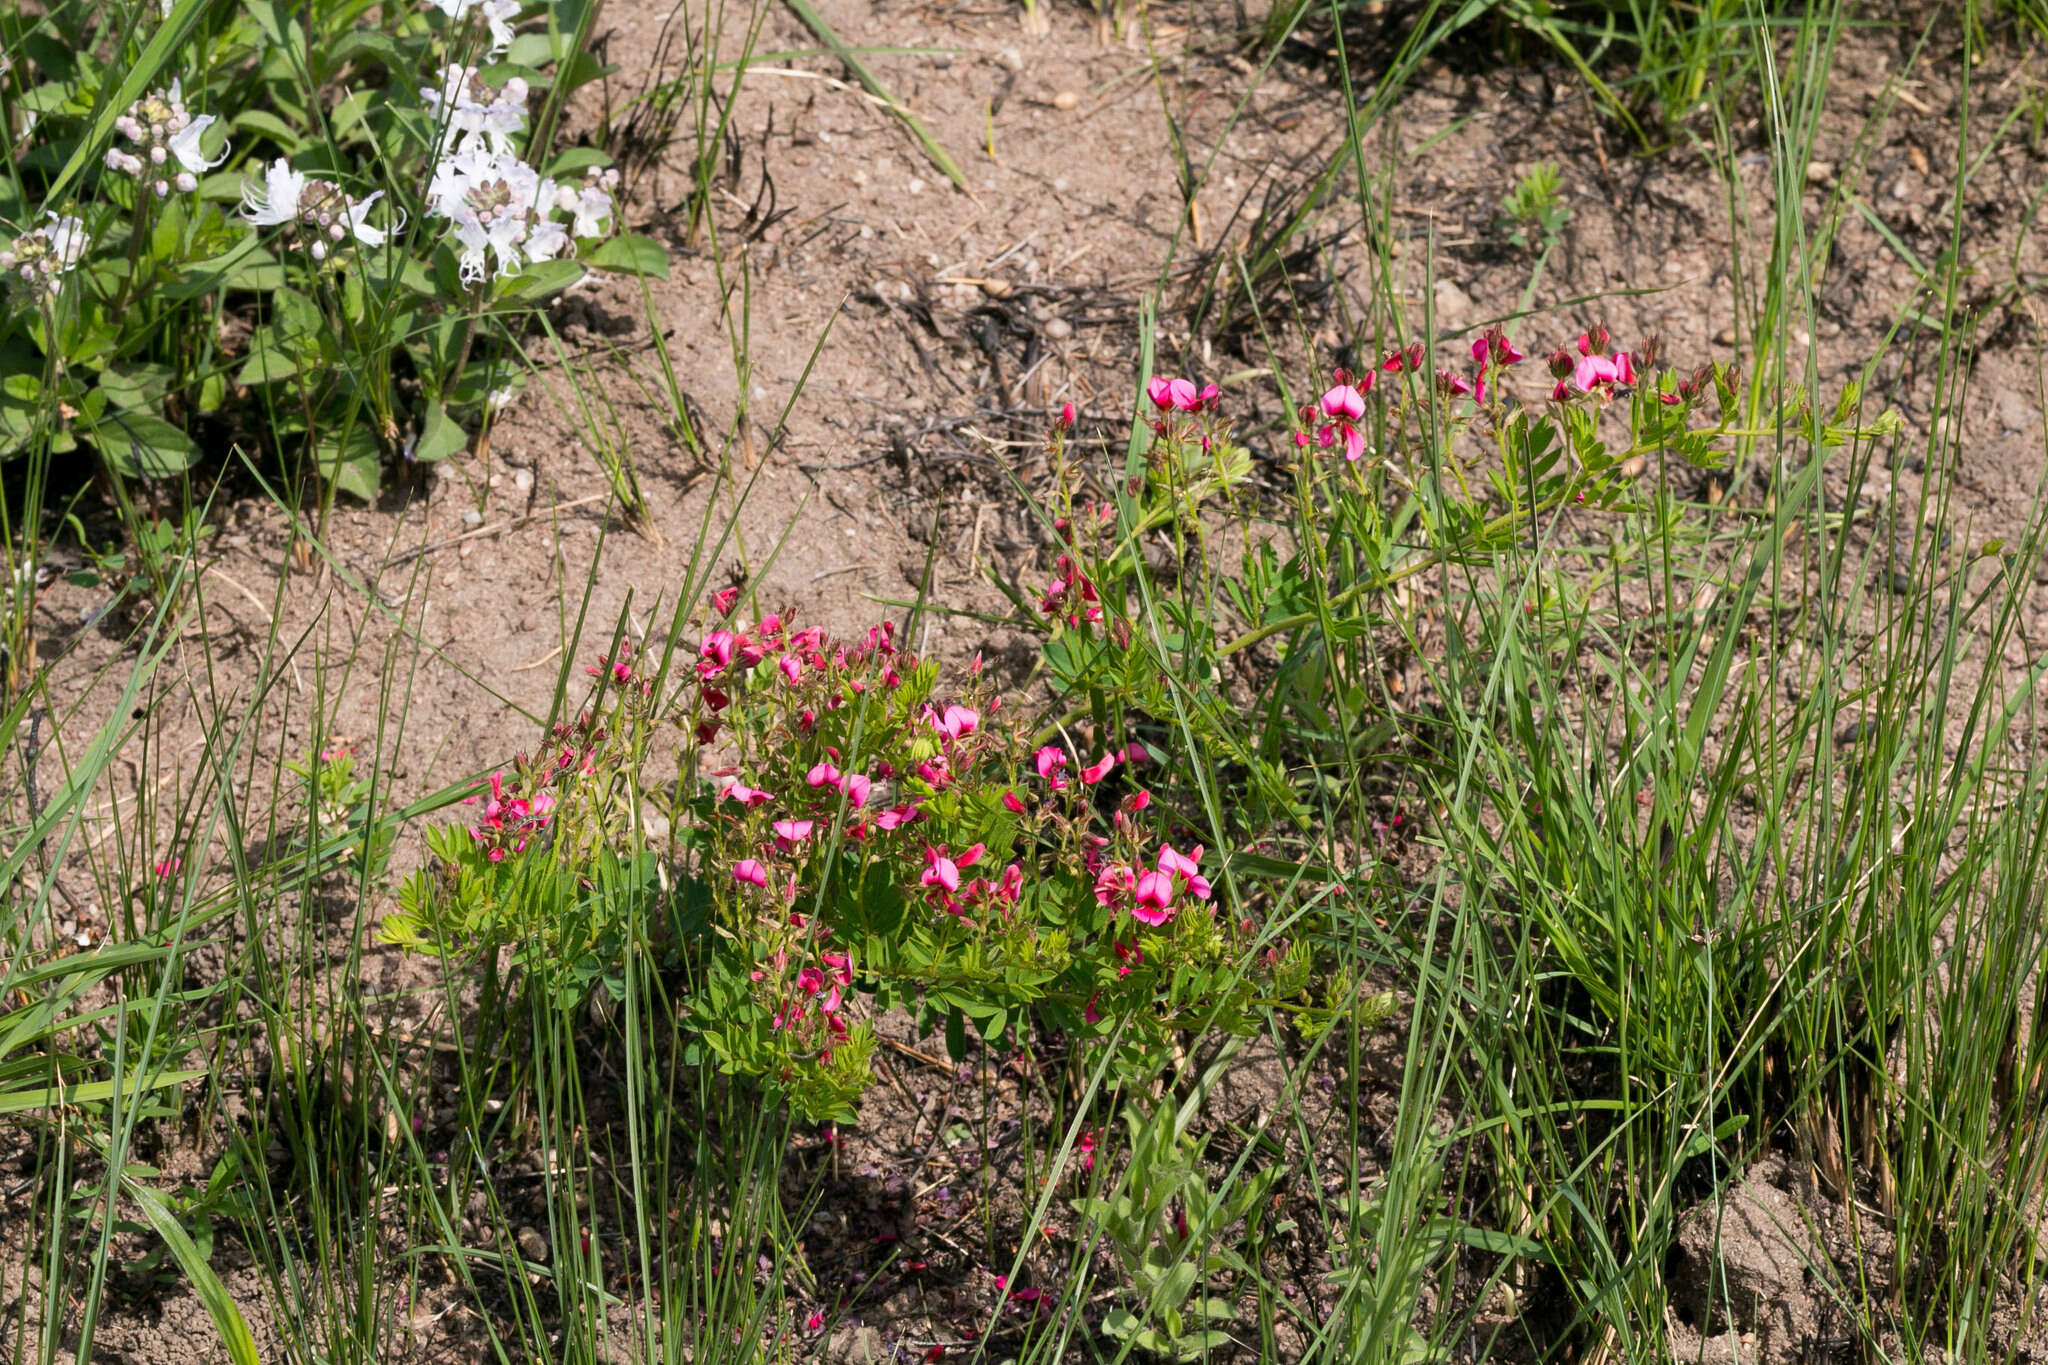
[593, 210]
[184, 145]
[162, 130]
[474, 115]
[293, 201]
[490, 201]
[498, 14]
[278, 201]
[351, 221]
[42, 254]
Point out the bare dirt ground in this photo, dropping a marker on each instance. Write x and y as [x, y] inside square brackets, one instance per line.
[929, 383]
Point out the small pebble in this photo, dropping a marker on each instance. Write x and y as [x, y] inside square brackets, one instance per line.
[532, 1245]
[523, 480]
[916, 185]
[1066, 99]
[1010, 59]
[1059, 329]
[472, 517]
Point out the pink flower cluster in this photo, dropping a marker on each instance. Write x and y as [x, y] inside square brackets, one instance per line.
[1150, 896]
[511, 820]
[810, 1004]
[1072, 596]
[1591, 372]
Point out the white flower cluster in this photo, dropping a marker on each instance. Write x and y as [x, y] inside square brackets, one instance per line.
[472, 115]
[163, 132]
[289, 199]
[497, 13]
[503, 213]
[41, 254]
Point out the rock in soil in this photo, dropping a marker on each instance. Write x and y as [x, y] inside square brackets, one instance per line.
[1742, 1275]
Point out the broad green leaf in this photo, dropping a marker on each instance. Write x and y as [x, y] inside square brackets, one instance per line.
[141, 445]
[441, 436]
[632, 254]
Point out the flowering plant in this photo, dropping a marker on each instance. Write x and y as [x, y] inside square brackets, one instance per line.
[334, 263]
[846, 838]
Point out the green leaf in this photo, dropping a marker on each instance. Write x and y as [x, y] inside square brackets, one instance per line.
[441, 437]
[227, 1319]
[266, 365]
[143, 446]
[90, 1092]
[541, 280]
[632, 254]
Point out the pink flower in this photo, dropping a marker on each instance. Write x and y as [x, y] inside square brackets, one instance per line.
[815, 1322]
[1408, 357]
[1013, 883]
[169, 867]
[1098, 770]
[715, 651]
[1344, 401]
[722, 600]
[1012, 804]
[855, 788]
[1135, 752]
[745, 795]
[810, 981]
[1453, 384]
[750, 872]
[1114, 885]
[1067, 415]
[791, 669]
[1137, 801]
[1494, 347]
[957, 723]
[1344, 405]
[1185, 869]
[841, 965]
[789, 833]
[1093, 1016]
[822, 774]
[1167, 394]
[1086, 1142]
[898, 815]
[1153, 903]
[940, 871]
[1050, 760]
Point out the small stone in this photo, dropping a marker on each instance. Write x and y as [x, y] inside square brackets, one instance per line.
[1065, 99]
[472, 517]
[1900, 190]
[1819, 172]
[998, 289]
[529, 623]
[1010, 59]
[1725, 337]
[496, 481]
[916, 185]
[1917, 157]
[1059, 329]
[1453, 306]
[523, 480]
[465, 550]
[532, 1245]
